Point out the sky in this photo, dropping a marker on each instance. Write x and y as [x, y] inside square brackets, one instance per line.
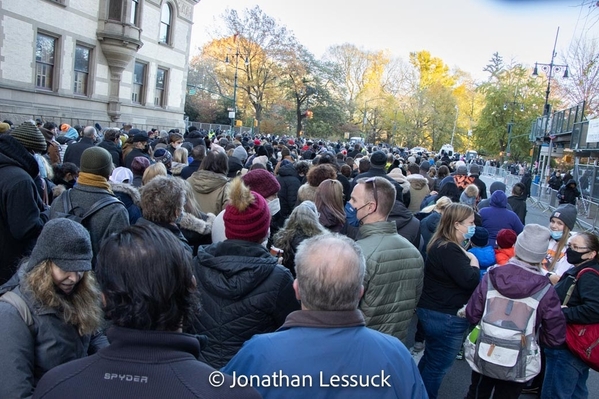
[463, 33]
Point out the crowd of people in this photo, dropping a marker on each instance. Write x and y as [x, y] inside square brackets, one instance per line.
[197, 264]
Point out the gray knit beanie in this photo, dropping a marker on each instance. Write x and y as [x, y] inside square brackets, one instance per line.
[64, 242]
[532, 243]
[240, 153]
[97, 161]
[30, 137]
[567, 214]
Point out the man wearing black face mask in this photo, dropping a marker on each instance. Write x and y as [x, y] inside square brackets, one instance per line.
[394, 268]
[140, 147]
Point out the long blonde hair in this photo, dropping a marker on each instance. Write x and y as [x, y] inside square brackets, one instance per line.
[445, 232]
[82, 308]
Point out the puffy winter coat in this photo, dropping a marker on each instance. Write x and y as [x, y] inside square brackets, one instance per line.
[568, 193]
[210, 189]
[290, 183]
[496, 217]
[21, 207]
[519, 280]
[393, 279]
[244, 292]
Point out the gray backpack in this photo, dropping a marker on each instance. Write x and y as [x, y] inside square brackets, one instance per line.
[504, 343]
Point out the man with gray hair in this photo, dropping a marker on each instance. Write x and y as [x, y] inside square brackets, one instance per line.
[322, 348]
[74, 151]
[394, 267]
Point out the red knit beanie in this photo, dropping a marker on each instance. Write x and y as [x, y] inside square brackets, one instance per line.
[247, 216]
[506, 238]
[262, 181]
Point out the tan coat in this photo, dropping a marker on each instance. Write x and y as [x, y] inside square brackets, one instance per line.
[210, 189]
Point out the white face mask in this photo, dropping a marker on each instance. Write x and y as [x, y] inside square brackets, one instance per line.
[176, 146]
[274, 206]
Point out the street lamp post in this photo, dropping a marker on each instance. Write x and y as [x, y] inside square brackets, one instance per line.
[549, 70]
[233, 114]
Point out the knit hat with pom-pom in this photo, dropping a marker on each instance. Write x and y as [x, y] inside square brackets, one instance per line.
[246, 215]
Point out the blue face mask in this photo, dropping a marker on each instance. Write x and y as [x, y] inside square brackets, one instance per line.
[470, 233]
[351, 215]
[556, 235]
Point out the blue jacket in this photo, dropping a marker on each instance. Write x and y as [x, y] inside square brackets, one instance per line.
[496, 217]
[317, 345]
[485, 256]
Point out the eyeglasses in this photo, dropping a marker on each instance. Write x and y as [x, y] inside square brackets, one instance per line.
[576, 248]
[374, 192]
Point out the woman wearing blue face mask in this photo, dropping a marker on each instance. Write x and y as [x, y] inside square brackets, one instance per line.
[561, 223]
[450, 276]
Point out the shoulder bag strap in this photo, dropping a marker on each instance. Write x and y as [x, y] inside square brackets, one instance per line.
[571, 288]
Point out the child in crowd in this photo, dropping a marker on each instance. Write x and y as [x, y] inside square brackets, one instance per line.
[483, 252]
[506, 238]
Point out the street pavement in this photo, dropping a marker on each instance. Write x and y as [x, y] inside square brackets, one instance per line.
[456, 382]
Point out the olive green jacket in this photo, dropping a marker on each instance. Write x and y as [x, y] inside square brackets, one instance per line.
[393, 279]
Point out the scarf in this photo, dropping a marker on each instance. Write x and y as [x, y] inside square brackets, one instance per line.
[89, 179]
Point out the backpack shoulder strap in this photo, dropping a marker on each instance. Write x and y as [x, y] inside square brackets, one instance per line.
[571, 288]
[100, 204]
[18, 302]
[66, 201]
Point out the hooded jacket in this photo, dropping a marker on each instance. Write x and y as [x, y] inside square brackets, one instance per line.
[210, 189]
[568, 194]
[244, 292]
[518, 280]
[290, 183]
[418, 191]
[496, 217]
[22, 214]
[196, 230]
[407, 225]
[518, 204]
[129, 196]
[393, 279]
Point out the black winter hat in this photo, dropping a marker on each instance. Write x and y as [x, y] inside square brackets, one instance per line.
[378, 159]
[480, 237]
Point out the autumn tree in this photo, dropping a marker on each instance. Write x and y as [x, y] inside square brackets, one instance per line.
[583, 84]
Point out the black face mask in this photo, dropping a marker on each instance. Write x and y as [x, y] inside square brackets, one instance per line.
[574, 257]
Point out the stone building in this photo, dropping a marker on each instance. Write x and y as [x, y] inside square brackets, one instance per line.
[87, 61]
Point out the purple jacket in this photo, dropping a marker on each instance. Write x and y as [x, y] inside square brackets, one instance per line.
[496, 217]
[517, 280]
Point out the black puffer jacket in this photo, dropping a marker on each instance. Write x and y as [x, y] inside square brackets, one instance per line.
[290, 183]
[244, 292]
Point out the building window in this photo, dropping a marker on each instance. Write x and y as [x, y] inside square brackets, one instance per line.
[44, 60]
[165, 24]
[115, 10]
[139, 74]
[161, 75]
[134, 20]
[82, 57]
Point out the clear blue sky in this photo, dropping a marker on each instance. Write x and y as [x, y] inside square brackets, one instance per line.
[464, 33]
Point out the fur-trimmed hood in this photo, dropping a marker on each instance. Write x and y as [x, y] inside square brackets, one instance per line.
[417, 181]
[192, 223]
[128, 189]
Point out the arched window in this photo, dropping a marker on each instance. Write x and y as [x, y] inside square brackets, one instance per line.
[165, 23]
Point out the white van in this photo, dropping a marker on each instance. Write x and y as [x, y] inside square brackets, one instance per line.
[448, 149]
